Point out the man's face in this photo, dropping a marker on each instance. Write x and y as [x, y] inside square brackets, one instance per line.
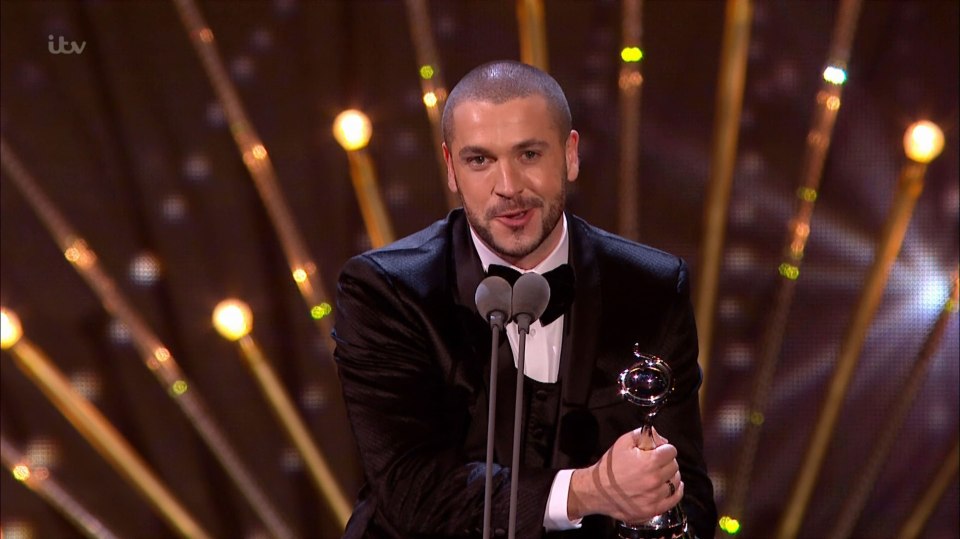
[509, 164]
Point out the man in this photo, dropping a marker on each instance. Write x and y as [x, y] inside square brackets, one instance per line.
[413, 352]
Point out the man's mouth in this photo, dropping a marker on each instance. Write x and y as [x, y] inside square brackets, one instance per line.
[515, 218]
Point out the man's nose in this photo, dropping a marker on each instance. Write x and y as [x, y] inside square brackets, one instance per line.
[509, 180]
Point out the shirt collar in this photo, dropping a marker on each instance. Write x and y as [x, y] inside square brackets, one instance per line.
[557, 257]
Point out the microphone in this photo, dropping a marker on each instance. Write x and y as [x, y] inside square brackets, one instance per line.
[494, 298]
[531, 294]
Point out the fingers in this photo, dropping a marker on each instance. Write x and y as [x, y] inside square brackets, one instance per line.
[671, 500]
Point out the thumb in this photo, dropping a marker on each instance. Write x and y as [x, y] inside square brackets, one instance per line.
[658, 440]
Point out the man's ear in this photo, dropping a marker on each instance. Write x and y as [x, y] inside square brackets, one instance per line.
[572, 155]
[451, 175]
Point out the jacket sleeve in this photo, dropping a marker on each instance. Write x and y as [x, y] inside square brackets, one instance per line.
[679, 421]
[409, 420]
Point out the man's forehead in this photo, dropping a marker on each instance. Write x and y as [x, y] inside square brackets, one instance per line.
[518, 111]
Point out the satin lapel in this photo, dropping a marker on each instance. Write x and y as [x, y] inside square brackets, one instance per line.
[582, 327]
[579, 339]
[469, 272]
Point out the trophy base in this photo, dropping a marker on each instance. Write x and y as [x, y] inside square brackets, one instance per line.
[670, 525]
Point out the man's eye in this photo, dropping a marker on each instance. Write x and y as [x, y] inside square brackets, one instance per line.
[530, 155]
[476, 160]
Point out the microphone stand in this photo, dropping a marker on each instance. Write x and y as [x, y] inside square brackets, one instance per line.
[531, 293]
[494, 299]
[496, 323]
[522, 329]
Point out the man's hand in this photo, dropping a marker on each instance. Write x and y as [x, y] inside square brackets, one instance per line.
[628, 483]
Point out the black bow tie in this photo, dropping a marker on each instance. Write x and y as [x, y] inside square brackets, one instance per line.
[561, 282]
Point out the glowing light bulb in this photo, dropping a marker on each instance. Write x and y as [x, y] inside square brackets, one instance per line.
[319, 311]
[789, 271]
[835, 75]
[631, 54]
[923, 141]
[352, 129]
[21, 472]
[233, 319]
[729, 525]
[179, 388]
[430, 99]
[10, 329]
[426, 72]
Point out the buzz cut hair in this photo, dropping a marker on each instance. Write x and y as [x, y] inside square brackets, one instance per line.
[504, 80]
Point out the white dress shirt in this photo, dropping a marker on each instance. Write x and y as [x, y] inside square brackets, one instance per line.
[541, 362]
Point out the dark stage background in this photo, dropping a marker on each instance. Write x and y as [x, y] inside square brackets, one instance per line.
[127, 139]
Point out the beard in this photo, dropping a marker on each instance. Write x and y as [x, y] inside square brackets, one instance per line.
[516, 246]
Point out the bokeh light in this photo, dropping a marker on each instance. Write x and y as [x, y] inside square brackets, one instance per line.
[835, 75]
[352, 129]
[631, 54]
[10, 329]
[923, 141]
[233, 319]
[145, 269]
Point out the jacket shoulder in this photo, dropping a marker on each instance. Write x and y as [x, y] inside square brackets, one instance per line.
[615, 252]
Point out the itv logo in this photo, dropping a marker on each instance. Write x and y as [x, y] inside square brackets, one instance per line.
[64, 47]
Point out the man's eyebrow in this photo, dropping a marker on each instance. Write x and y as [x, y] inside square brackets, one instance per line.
[530, 143]
[473, 150]
[533, 143]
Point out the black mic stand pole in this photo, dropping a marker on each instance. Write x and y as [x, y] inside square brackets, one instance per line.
[531, 293]
[494, 300]
[517, 420]
[496, 324]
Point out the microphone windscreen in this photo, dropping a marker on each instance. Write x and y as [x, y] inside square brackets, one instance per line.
[531, 294]
[494, 294]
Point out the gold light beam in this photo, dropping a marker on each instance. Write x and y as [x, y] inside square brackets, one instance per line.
[234, 321]
[95, 428]
[155, 355]
[630, 83]
[853, 506]
[533, 34]
[257, 160]
[41, 481]
[732, 74]
[928, 502]
[352, 130]
[431, 82]
[920, 145]
[817, 147]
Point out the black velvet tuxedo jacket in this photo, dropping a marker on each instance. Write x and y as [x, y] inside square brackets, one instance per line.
[413, 357]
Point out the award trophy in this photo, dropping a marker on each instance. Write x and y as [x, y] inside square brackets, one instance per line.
[647, 383]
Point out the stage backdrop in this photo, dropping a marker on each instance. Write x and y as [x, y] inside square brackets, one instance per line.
[108, 110]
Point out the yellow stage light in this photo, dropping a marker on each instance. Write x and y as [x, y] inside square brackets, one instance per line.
[233, 319]
[426, 72]
[320, 311]
[923, 141]
[789, 271]
[631, 54]
[21, 472]
[430, 99]
[352, 129]
[10, 329]
[729, 525]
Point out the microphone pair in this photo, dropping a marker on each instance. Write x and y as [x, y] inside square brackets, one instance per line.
[499, 303]
[523, 303]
